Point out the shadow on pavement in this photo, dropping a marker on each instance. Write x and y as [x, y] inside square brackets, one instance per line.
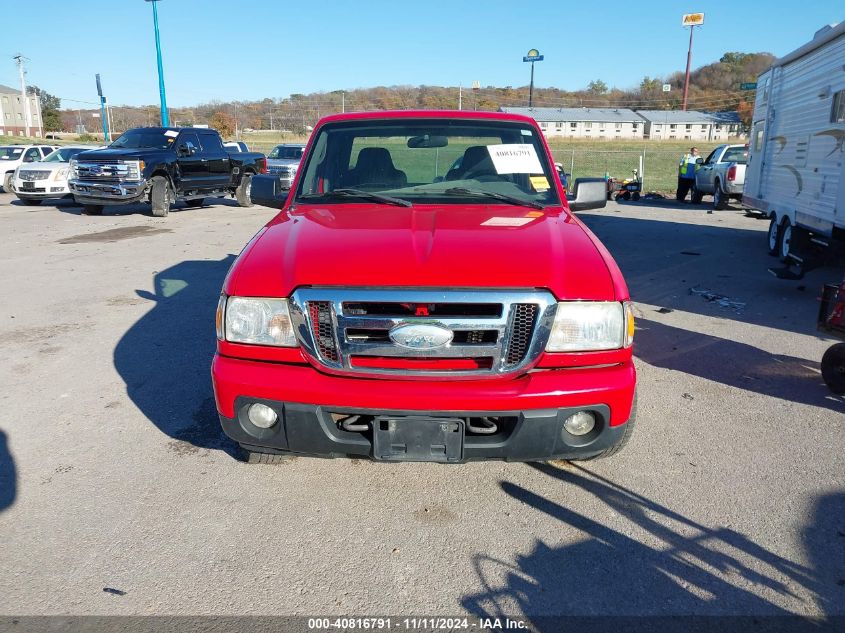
[8, 475]
[143, 208]
[662, 564]
[165, 357]
[733, 363]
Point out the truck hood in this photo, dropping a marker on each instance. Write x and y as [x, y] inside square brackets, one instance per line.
[477, 246]
[122, 154]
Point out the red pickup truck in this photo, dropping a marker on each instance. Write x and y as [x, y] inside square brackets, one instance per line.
[426, 294]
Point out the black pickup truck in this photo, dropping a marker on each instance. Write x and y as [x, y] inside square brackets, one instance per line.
[163, 165]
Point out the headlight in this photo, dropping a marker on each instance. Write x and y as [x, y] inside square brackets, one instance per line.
[73, 165]
[61, 173]
[135, 167]
[255, 321]
[583, 326]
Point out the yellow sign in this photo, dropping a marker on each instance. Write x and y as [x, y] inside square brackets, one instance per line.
[533, 53]
[692, 19]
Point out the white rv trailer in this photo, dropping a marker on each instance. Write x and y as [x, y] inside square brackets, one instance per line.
[796, 163]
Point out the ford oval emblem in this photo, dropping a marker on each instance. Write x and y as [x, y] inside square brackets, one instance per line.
[421, 336]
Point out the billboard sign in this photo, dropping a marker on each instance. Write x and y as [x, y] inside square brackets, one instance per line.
[692, 19]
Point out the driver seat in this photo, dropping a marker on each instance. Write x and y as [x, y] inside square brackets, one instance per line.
[374, 165]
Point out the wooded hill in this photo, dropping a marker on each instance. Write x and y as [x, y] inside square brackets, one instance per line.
[714, 87]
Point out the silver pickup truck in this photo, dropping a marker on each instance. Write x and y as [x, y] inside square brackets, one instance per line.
[722, 175]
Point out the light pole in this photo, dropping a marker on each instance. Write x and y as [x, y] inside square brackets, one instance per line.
[164, 118]
[533, 56]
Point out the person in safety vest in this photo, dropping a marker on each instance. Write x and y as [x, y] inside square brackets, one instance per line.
[686, 173]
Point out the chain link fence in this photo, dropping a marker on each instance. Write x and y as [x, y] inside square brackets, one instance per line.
[659, 168]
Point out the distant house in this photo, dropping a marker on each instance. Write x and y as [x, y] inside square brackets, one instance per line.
[690, 125]
[607, 123]
[13, 114]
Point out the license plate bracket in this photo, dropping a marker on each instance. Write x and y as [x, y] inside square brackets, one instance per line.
[418, 439]
[27, 185]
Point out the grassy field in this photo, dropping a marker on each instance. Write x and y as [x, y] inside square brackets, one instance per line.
[580, 157]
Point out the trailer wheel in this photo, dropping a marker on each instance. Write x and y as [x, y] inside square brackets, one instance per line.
[785, 242]
[774, 236]
[833, 368]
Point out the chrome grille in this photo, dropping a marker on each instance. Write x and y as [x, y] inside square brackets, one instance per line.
[494, 332]
[102, 171]
[524, 316]
[33, 175]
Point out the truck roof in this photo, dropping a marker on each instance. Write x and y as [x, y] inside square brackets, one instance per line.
[470, 115]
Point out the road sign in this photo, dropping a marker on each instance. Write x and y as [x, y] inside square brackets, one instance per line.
[667, 87]
[749, 86]
[692, 19]
[533, 56]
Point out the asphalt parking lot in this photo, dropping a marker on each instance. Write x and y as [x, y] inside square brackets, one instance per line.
[730, 498]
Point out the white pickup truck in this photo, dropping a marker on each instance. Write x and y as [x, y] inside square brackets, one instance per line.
[722, 175]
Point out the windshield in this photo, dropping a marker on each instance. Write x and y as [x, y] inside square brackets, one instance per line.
[10, 153]
[152, 139]
[63, 154]
[288, 153]
[430, 161]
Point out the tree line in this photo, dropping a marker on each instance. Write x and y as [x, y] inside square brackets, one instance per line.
[714, 87]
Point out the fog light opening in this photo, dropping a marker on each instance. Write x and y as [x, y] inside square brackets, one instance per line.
[580, 423]
[261, 415]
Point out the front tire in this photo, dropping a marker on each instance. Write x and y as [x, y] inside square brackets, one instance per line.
[7, 183]
[242, 193]
[720, 199]
[160, 196]
[92, 209]
[626, 437]
[833, 368]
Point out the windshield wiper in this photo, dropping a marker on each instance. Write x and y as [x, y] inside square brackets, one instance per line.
[463, 191]
[346, 192]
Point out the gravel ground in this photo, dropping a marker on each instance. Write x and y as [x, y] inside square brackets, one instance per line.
[730, 498]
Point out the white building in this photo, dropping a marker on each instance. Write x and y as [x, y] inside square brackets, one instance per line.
[690, 125]
[607, 123]
[15, 113]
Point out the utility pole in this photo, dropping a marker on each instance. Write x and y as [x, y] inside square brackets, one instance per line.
[25, 102]
[343, 101]
[691, 20]
[103, 116]
[460, 97]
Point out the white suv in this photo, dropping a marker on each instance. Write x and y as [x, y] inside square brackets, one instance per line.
[13, 156]
[34, 182]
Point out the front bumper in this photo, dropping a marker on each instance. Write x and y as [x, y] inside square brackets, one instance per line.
[531, 409]
[125, 192]
[41, 188]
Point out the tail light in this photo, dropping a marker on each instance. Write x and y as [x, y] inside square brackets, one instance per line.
[732, 173]
[262, 165]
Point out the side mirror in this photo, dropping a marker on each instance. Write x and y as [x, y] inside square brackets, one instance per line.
[266, 190]
[588, 193]
[184, 150]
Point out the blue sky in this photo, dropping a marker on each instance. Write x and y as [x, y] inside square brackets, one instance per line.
[216, 50]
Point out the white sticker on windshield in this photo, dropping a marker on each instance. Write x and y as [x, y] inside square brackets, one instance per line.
[171, 133]
[515, 158]
[526, 132]
[500, 221]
